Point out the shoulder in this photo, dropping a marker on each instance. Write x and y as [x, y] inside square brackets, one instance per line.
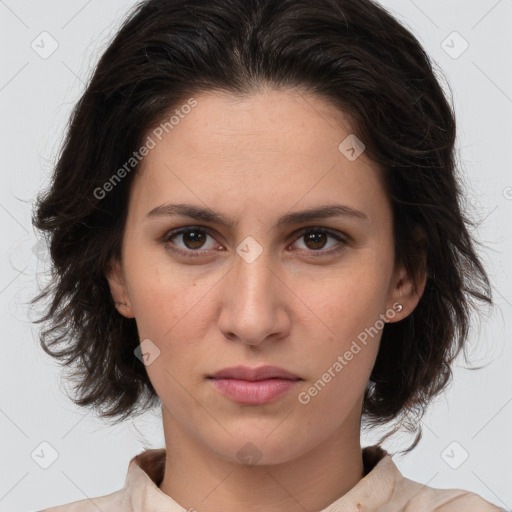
[469, 501]
[145, 471]
[109, 503]
[429, 499]
[405, 495]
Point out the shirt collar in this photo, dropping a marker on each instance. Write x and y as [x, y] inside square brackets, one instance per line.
[146, 472]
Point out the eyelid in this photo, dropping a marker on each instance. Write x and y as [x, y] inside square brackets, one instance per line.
[332, 232]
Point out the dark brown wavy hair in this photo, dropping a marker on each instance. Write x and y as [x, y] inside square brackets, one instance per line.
[351, 53]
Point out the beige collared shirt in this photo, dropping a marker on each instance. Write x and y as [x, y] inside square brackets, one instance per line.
[382, 489]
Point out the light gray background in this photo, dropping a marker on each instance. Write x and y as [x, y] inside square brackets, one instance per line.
[36, 97]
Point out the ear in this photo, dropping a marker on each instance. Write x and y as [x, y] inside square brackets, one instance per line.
[405, 297]
[406, 290]
[117, 283]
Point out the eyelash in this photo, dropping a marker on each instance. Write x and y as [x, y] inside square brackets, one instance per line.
[166, 241]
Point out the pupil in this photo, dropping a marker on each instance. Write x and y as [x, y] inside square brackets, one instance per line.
[197, 239]
[313, 237]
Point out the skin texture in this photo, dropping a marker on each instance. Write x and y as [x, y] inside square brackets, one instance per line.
[255, 159]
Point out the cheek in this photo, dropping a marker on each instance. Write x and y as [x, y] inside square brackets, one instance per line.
[344, 326]
[339, 372]
[344, 303]
[162, 295]
[171, 310]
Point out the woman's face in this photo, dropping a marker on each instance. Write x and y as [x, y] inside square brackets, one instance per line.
[261, 288]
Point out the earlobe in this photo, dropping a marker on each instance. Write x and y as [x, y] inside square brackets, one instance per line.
[405, 295]
[407, 290]
[117, 284]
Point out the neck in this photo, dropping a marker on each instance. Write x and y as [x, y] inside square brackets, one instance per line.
[198, 478]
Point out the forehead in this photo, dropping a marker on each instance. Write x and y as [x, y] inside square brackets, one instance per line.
[270, 149]
[270, 120]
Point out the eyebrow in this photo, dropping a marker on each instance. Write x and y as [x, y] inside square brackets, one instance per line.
[208, 215]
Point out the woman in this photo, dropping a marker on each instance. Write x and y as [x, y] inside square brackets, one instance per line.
[255, 221]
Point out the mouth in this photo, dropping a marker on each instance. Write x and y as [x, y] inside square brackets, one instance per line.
[258, 392]
[254, 386]
[254, 374]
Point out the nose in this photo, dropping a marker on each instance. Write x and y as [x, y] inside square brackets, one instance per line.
[254, 302]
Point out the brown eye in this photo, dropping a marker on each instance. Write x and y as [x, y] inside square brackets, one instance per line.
[315, 241]
[188, 241]
[193, 239]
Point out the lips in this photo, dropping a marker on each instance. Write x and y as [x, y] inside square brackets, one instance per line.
[254, 374]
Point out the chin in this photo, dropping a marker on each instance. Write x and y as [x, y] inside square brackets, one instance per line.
[267, 447]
